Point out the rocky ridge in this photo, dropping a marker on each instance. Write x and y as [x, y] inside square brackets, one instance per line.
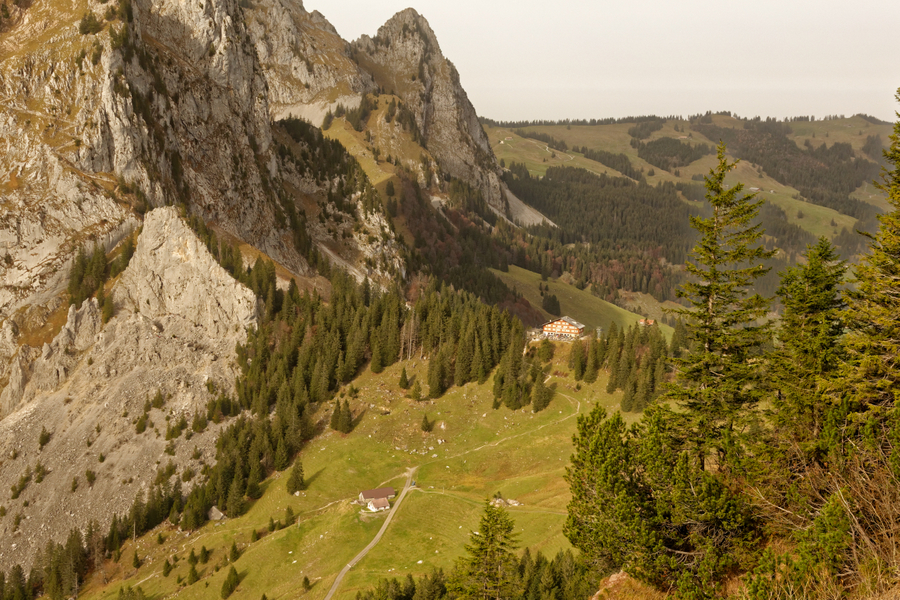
[405, 59]
[166, 104]
[179, 318]
[307, 65]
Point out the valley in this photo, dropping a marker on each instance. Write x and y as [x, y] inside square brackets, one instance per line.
[482, 451]
[249, 268]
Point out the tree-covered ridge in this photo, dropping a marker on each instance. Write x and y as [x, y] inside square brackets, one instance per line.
[780, 465]
[608, 211]
[825, 175]
[668, 153]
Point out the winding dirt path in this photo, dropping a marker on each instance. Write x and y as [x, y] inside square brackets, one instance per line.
[376, 539]
[406, 488]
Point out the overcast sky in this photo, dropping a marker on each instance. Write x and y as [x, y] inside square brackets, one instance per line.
[602, 58]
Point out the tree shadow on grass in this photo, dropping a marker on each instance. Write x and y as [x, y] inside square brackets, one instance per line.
[358, 419]
[307, 481]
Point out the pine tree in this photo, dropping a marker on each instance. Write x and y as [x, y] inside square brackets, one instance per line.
[436, 376]
[232, 580]
[809, 351]
[377, 364]
[576, 360]
[416, 391]
[463, 360]
[167, 568]
[590, 369]
[404, 381]
[488, 571]
[281, 456]
[345, 425]
[540, 395]
[253, 481]
[235, 504]
[873, 341]
[716, 378]
[295, 482]
[233, 553]
[336, 416]
[193, 576]
[679, 338]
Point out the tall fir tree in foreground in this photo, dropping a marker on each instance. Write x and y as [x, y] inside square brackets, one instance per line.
[488, 570]
[809, 349]
[872, 375]
[717, 377]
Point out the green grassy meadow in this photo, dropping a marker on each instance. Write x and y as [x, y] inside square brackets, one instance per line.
[473, 452]
[817, 220]
[581, 305]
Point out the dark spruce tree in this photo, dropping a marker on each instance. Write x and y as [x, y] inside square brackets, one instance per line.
[716, 379]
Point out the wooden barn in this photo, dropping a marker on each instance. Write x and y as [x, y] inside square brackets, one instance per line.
[566, 328]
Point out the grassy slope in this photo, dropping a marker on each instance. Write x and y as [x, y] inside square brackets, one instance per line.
[581, 305]
[614, 138]
[520, 454]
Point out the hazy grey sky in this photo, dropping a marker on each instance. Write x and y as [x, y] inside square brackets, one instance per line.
[586, 59]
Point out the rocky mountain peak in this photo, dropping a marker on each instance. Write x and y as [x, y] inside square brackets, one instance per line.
[406, 60]
[405, 23]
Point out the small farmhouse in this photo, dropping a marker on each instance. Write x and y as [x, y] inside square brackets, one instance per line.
[383, 493]
[564, 328]
[378, 504]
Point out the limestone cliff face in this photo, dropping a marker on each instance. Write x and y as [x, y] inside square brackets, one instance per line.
[307, 65]
[310, 69]
[405, 58]
[169, 105]
[179, 317]
[183, 114]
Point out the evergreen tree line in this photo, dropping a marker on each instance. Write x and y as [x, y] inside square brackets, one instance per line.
[520, 376]
[824, 175]
[780, 465]
[569, 122]
[668, 153]
[463, 338]
[612, 211]
[619, 162]
[636, 360]
[605, 266]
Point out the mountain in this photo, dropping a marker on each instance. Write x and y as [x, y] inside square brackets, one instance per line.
[112, 111]
[178, 318]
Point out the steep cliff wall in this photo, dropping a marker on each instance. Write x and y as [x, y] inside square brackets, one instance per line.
[306, 63]
[405, 59]
[179, 317]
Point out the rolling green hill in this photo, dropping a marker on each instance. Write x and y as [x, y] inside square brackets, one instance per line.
[473, 452]
[581, 305]
[817, 220]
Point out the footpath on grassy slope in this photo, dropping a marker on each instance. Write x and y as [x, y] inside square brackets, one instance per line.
[376, 539]
[409, 474]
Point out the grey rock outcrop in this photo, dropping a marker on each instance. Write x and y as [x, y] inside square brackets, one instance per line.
[307, 65]
[405, 58]
[179, 316]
